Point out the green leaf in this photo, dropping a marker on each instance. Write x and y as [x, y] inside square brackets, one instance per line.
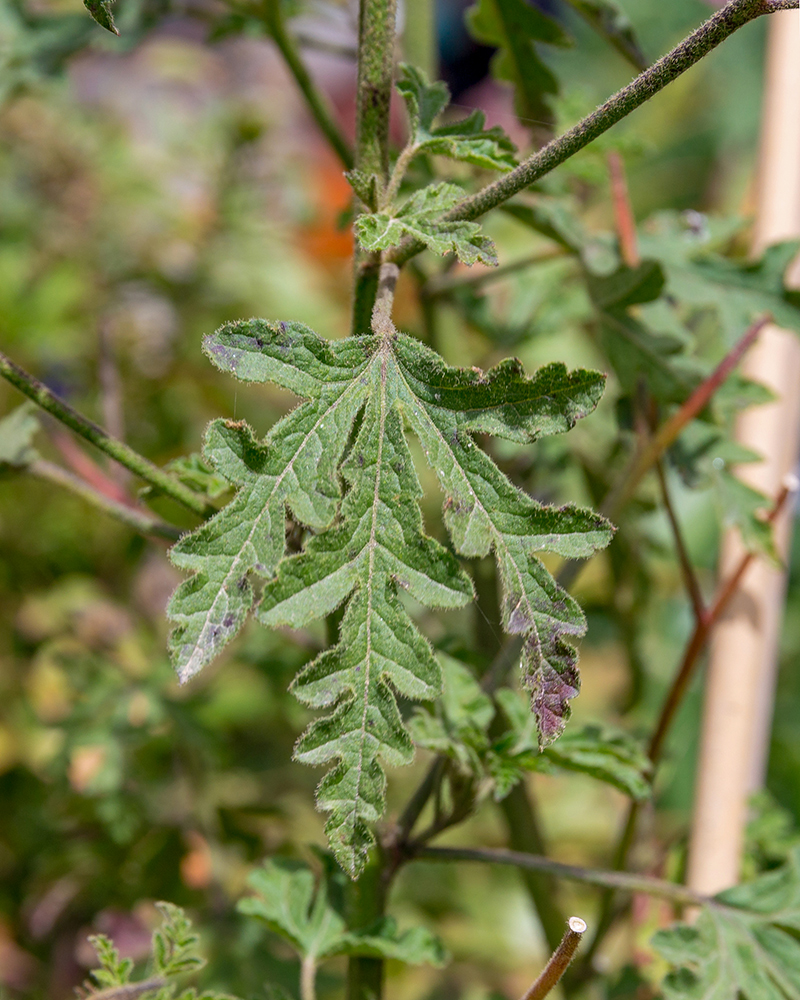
[101, 12]
[608, 755]
[300, 911]
[744, 946]
[376, 548]
[612, 757]
[366, 187]
[113, 971]
[611, 22]
[17, 431]
[466, 140]
[421, 219]
[741, 292]
[296, 465]
[515, 28]
[175, 943]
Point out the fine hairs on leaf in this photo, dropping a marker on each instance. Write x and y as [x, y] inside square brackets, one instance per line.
[372, 546]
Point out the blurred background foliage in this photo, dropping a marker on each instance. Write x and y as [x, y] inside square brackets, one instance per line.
[153, 187]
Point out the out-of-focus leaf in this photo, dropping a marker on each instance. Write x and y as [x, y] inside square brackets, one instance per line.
[17, 431]
[300, 911]
[610, 20]
[741, 292]
[612, 757]
[515, 28]
[744, 946]
[466, 140]
[421, 219]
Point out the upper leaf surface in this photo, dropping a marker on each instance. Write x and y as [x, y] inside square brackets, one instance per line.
[467, 140]
[376, 546]
[421, 218]
[296, 465]
[744, 946]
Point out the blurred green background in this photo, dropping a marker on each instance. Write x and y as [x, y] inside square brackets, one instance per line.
[149, 193]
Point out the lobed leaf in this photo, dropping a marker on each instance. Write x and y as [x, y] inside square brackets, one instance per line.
[300, 911]
[516, 28]
[101, 12]
[421, 218]
[467, 140]
[744, 946]
[375, 547]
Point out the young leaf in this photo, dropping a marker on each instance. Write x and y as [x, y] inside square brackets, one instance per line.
[301, 913]
[743, 947]
[101, 12]
[609, 20]
[466, 140]
[421, 218]
[377, 546]
[113, 971]
[515, 28]
[175, 943]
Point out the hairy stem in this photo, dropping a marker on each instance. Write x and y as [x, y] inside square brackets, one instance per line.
[376, 20]
[686, 54]
[618, 881]
[559, 960]
[118, 450]
[318, 105]
[137, 519]
[128, 991]
[366, 903]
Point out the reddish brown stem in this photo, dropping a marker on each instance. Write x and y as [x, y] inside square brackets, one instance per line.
[689, 576]
[668, 433]
[623, 211]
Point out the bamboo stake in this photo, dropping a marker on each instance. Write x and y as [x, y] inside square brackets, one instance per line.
[741, 675]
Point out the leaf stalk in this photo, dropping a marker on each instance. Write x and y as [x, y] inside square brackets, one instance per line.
[559, 960]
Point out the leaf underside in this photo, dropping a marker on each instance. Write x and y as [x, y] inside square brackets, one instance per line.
[368, 546]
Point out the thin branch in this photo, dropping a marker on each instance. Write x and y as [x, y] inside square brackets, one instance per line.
[418, 800]
[272, 17]
[444, 284]
[559, 961]
[689, 576]
[686, 54]
[618, 881]
[671, 704]
[623, 211]
[128, 991]
[137, 519]
[118, 450]
[646, 457]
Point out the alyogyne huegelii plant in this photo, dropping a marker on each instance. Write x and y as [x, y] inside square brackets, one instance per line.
[368, 545]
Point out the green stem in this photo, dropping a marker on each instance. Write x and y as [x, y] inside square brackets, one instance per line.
[524, 835]
[366, 904]
[376, 20]
[308, 978]
[686, 54]
[139, 520]
[444, 284]
[420, 44]
[618, 881]
[118, 450]
[316, 101]
[559, 961]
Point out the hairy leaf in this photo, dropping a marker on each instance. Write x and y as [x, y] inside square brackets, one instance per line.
[744, 946]
[421, 218]
[515, 28]
[301, 912]
[376, 547]
[467, 140]
[101, 12]
[610, 20]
